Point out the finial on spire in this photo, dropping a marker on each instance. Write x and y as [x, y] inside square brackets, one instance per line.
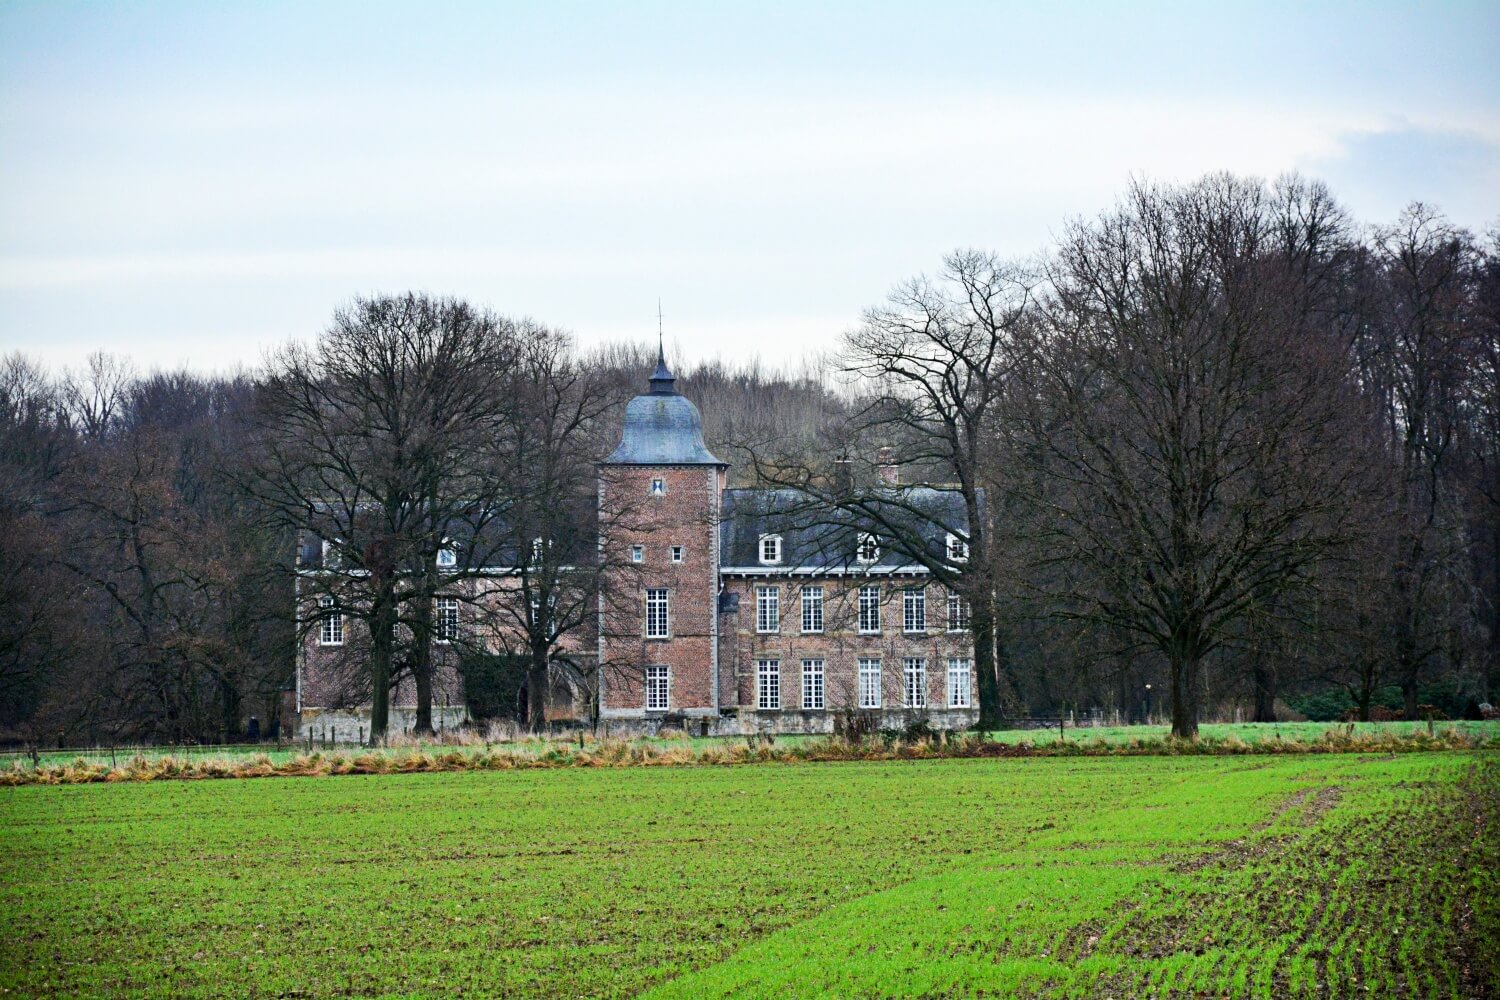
[663, 382]
[661, 353]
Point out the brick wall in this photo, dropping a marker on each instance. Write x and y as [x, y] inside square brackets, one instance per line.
[839, 645]
[686, 516]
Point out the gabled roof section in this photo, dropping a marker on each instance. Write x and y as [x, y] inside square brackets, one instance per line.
[815, 537]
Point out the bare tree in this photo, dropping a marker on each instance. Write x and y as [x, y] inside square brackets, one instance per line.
[370, 439]
[1187, 417]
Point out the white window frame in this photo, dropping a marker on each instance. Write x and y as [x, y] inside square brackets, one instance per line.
[871, 682]
[867, 549]
[958, 613]
[538, 547]
[814, 694]
[957, 549]
[331, 625]
[658, 613]
[812, 609]
[638, 553]
[768, 549]
[677, 553]
[960, 682]
[445, 618]
[447, 556]
[658, 692]
[768, 685]
[869, 609]
[767, 610]
[914, 610]
[914, 682]
[658, 486]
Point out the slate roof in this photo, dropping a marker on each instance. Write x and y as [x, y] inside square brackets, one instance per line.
[662, 427]
[814, 537]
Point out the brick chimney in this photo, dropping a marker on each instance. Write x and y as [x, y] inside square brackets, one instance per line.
[886, 467]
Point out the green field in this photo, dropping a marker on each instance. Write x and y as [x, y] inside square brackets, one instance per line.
[1337, 875]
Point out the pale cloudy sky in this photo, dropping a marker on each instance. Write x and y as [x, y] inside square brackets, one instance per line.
[191, 183]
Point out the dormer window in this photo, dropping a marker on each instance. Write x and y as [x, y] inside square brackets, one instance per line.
[770, 550]
[958, 549]
[447, 558]
[868, 549]
[658, 487]
[332, 557]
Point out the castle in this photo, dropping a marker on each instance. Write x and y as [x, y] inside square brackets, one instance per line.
[727, 610]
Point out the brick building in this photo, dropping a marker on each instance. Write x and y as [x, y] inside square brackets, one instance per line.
[729, 610]
[741, 610]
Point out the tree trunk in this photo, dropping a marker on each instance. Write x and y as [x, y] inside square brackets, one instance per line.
[985, 666]
[1263, 676]
[536, 688]
[1409, 694]
[382, 648]
[1183, 663]
[421, 664]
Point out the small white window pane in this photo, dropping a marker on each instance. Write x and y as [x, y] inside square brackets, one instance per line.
[958, 614]
[657, 614]
[869, 608]
[677, 553]
[658, 688]
[959, 684]
[812, 685]
[914, 675]
[331, 627]
[768, 684]
[914, 610]
[812, 609]
[637, 553]
[869, 683]
[768, 609]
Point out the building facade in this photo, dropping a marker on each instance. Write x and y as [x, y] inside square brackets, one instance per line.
[721, 610]
[754, 610]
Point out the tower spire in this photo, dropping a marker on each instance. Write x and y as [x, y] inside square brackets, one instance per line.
[663, 382]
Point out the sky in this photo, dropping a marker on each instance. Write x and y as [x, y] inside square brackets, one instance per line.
[195, 183]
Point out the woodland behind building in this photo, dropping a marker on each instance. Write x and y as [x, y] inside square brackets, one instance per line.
[1223, 440]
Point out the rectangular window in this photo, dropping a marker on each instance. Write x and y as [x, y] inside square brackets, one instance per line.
[869, 683]
[958, 614]
[658, 487]
[958, 683]
[812, 609]
[331, 629]
[447, 619]
[770, 549]
[869, 609]
[677, 553]
[638, 553]
[914, 610]
[768, 684]
[658, 689]
[768, 609]
[915, 689]
[656, 614]
[958, 549]
[812, 685]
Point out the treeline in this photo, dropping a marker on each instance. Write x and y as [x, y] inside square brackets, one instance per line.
[1222, 445]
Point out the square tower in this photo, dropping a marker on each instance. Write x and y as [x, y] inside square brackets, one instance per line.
[659, 502]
